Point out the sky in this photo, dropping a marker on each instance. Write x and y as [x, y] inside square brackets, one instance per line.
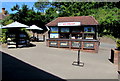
[9, 5]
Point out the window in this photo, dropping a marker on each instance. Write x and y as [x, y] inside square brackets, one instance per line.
[76, 30]
[89, 36]
[65, 30]
[54, 32]
[76, 36]
[89, 29]
[54, 29]
[22, 35]
[66, 35]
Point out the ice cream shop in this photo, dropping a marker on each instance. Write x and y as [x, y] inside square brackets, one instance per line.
[79, 32]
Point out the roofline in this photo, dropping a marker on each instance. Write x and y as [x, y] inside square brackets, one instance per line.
[51, 21]
[73, 16]
[95, 20]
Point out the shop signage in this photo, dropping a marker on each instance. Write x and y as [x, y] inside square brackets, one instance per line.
[54, 35]
[69, 23]
[62, 44]
[76, 44]
[53, 43]
[88, 45]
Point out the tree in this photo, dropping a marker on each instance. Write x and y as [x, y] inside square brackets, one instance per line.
[108, 20]
[106, 13]
[28, 16]
[41, 6]
[7, 20]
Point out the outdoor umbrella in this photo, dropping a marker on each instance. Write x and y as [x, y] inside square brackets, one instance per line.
[15, 25]
[34, 27]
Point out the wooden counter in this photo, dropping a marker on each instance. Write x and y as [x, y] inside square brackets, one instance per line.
[85, 45]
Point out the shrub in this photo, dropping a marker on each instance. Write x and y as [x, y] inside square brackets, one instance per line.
[3, 35]
[118, 43]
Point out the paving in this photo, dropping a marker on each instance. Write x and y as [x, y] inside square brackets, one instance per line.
[58, 62]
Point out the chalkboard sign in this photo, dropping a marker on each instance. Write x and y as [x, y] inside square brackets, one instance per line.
[88, 45]
[53, 43]
[76, 44]
[64, 44]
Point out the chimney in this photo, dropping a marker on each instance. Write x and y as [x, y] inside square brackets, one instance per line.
[3, 11]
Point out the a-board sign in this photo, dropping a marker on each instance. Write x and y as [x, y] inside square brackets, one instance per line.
[88, 45]
[53, 43]
[76, 44]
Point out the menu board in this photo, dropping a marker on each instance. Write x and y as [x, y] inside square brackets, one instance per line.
[89, 29]
[53, 43]
[54, 35]
[64, 44]
[88, 45]
[76, 44]
[66, 30]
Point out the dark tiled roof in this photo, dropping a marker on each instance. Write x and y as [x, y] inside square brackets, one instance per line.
[85, 20]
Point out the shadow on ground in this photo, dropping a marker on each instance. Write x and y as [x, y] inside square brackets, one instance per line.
[31, 45]
[17, 70]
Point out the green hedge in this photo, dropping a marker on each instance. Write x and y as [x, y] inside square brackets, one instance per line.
[118, 43]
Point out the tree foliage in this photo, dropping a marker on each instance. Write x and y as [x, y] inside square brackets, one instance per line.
[41, 6]
[28, 16]
[106, 13]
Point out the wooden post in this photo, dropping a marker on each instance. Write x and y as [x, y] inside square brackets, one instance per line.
[82, 45]
[70, 44]
[82, 35]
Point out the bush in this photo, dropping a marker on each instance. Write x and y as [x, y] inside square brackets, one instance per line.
[3, 39]
[3, 35]
[118, 43]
